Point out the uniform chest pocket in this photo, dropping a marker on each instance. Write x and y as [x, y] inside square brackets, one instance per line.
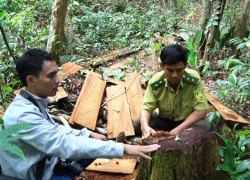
[187, 107]
[165, 106]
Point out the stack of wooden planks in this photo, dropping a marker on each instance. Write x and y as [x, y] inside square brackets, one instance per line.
[123, 100]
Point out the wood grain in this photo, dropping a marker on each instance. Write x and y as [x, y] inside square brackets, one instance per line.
[119, 119]
[134, 95]
[88, 103]
[69, 68]
[125, 166]
[226, 113]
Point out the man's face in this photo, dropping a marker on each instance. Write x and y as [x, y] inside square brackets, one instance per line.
[174, 72]
[46, 84]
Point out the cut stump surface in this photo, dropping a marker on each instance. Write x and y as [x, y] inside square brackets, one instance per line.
[195, 156]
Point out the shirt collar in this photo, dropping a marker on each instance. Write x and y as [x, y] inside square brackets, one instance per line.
[43, 102]
[168, 85]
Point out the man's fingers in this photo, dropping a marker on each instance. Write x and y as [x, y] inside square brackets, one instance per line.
[145, 135]
[147, 149]
[145, 156]
[150, 148]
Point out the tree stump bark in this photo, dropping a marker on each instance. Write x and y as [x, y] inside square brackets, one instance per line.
[195, 156]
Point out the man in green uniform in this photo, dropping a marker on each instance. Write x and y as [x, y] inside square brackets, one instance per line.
[175, 95]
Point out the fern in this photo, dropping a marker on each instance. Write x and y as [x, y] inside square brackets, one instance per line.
[10, 134]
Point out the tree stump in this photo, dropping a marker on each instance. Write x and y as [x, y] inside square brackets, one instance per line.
[195, 156]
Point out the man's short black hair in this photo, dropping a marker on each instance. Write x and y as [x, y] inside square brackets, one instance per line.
[31, 63]
[174, 54]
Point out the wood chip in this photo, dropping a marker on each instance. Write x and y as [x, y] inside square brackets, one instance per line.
[125, 166]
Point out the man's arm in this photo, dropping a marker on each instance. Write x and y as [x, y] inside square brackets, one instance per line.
[190, 120]
[145, 128]
[137, 150]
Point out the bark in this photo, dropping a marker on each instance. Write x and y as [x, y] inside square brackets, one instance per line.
[195, 156]
[206, 12]
[171, 4]
[56, 31]
[210, 40]
[7, 44]
[241, 30]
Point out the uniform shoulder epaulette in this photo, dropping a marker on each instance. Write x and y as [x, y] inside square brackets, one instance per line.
[158, 84]
[190, 79]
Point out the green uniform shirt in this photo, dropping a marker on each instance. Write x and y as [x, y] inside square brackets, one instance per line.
[171, 104]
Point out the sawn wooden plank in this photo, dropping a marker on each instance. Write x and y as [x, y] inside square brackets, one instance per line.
[69, 68]
[88, 103]
[134, 95]
[119, 119]
[226, 113]
[125, 166]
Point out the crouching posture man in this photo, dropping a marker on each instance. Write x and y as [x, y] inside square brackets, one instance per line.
[175, 98]
[46, 141]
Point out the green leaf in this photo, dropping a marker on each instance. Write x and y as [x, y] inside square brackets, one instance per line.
[240, 46]
[198, 38]
[13, 130]
[12, 149]
[228, 142]
[2, 15]
[210, 117]
[242, 133]
[157, 47]
[233, 79]
[228, 157]
[225, 167]
[244, 176]
[244, 165]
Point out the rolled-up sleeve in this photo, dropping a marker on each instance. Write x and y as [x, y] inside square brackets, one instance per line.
[149, 100]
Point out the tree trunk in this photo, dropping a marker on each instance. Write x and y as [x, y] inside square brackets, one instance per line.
[195, 156]
[169, 4]
[241, 29]
[56, 31]
[206, 12]
[210, 41]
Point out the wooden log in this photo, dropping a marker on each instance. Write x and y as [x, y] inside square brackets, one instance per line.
[112, 55]
[89, 101]
[119, 119]
[134, 95]
[127, 60]
[226, 113]
[195, 156]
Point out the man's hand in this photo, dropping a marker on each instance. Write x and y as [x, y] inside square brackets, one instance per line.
[146, 131]
[98, 136]
[137, 150]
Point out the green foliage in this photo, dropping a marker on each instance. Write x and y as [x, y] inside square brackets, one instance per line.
[157, 47]
[234, 89]
[192, 56]
[117, 74]
[148, 74]
[213, 117]
[9, 135]
[106, 28]
[234, 155]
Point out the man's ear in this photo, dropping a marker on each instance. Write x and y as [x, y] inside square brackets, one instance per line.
[31, 80]
[161, 66]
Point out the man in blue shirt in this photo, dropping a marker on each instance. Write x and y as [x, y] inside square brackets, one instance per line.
[37, 70]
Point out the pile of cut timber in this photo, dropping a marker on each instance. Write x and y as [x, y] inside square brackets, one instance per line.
[123, 100]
